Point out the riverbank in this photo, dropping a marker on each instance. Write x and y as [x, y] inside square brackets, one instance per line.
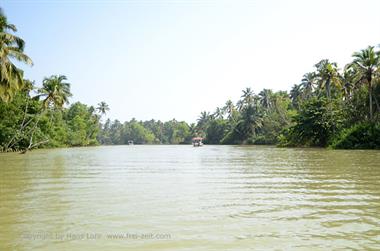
[355, 147]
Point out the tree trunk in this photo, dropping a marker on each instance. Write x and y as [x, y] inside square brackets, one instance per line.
[33, 145]
[21, 127]
[377, 103]
[370, 98]
[328, 88]
[32, 131]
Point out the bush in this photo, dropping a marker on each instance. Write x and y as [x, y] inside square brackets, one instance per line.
[360, 136]
[316, 123]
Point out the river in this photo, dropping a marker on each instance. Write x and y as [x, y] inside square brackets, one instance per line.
[186, 198]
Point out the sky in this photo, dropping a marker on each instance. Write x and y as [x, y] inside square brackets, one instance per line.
[173, 59]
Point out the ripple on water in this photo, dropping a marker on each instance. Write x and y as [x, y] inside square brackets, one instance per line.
[211, 198]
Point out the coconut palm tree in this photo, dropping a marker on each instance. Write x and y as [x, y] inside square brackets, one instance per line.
[266, 98]
[192, 129]
[307, 84]
[366, 65]
[327, 76]
[251, 121]
[295, 95]
[240, 105]
[11, 48]
[348, 82]
[203, 119]
[102, 108]
[248, 96]
[229, 107]
[219, 113]
[55, 91]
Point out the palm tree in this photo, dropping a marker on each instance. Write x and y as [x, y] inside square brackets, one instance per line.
[295, 94]
[348, 82]
[103, 108]
[327, 76]
[367, 65]
[307, 84]
[193, 129]
[251, 121]
[203, 119]
[11, 47]
[265, 98]
[229, 108]
[240, 105]
[55, 91]
[219, 113]
[279, 99]
[248, 96]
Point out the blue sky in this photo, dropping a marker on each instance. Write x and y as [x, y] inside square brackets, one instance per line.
[174, 59]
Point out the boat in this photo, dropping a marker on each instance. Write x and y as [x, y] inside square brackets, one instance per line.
[130, 142]
[197, 141]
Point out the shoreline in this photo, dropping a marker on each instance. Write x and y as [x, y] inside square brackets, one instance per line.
[240, 145]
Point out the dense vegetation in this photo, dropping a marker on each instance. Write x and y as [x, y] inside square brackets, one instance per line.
[30, 121]
[148, 132]
[33, 117]
[329, 107]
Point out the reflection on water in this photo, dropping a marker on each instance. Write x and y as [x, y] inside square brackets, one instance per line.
[185, 198]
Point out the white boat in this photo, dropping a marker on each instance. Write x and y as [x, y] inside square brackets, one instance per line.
[197, 141]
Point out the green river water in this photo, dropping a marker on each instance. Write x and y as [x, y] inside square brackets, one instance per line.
[186, 198]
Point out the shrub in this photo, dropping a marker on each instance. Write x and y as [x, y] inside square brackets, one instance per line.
[316, 123]
[360, 136]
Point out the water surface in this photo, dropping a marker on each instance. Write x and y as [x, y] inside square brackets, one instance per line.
[185, 198]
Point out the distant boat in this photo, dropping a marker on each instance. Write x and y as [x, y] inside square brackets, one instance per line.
[197, 141]
[130, 142]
